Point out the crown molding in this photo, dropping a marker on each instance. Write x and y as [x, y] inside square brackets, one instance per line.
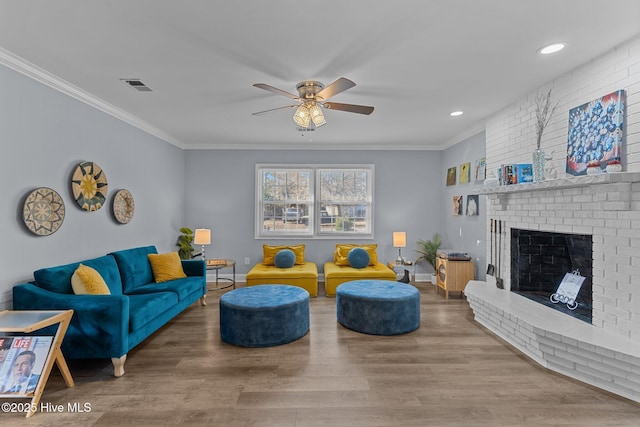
[312, 147]
[36, 73]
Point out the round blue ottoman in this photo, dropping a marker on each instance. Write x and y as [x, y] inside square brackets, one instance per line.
[264, 315]
[378, 307]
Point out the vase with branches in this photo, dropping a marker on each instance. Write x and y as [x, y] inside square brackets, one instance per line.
[544, 111]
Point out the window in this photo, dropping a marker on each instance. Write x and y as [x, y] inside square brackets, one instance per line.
[345, 200]
[308, 201]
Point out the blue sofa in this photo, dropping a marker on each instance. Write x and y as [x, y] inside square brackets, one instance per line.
[109, 326]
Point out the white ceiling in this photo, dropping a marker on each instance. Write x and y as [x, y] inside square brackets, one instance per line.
[413, 60]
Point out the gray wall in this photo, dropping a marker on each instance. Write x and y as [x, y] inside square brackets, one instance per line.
[220, 195]
[44, 134]
[465, 233]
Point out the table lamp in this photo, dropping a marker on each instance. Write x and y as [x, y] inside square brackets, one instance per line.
[399, 241]
[202, 237]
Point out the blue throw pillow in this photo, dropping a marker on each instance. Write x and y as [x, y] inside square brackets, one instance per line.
[358, 258]
[285, 258]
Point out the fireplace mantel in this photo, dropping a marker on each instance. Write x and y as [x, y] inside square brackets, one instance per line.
[562, 183]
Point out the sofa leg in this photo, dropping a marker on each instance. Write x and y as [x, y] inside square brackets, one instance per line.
[118, 365]
[203, 300]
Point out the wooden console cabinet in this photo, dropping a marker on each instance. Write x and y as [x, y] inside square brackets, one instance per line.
[453, 275]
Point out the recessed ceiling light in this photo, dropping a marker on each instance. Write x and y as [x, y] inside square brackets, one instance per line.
[552, 48]
[456, 113]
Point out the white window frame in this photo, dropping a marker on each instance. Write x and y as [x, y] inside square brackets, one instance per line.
[259, 219]
[313, 218]
[367, 202]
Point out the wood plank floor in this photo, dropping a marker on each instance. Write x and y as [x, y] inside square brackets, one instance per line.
[450, 372]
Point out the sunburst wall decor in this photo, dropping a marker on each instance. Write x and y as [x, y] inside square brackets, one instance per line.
[89, 184]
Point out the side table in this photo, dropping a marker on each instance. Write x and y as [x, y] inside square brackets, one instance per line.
[28, 321]
[453, 275]
[400, 269]
[219, 264]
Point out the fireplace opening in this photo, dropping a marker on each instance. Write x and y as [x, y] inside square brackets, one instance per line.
[539, 262]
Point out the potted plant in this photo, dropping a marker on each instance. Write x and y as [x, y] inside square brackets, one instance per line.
[184, 243]
[427, 250]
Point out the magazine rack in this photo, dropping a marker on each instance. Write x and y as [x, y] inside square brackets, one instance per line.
[28, 321]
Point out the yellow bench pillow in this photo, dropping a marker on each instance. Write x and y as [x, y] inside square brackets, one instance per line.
[269, 253]
[340, 256]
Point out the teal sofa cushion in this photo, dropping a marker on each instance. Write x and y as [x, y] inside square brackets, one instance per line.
[143, 308]
[135, 268]
[183, 288]
[58, 279]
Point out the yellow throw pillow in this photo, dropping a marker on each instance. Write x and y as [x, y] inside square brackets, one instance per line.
[269, 253]
[342, 252]
[166, 267]
[87, 281]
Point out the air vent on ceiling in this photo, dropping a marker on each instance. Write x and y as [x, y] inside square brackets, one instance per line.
[137, 85]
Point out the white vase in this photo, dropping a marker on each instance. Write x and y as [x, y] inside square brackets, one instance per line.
[616, 167]
[491, 181]
[594, 170]
[538, 165]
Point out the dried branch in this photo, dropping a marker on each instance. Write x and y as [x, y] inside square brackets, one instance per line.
[544, 111]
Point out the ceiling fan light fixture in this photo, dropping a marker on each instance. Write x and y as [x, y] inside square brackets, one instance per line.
[316, 115]
[302, 117]
[312, 97]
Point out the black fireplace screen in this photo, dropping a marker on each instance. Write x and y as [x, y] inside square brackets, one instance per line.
[540, 260]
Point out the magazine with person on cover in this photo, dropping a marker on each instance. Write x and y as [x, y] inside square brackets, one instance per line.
[22, 359]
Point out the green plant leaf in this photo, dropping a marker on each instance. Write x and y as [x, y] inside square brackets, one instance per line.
[428, 250]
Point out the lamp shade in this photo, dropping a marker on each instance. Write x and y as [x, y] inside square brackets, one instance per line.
[316, 115]
[302, 116]
[399, 239]
[202, 236]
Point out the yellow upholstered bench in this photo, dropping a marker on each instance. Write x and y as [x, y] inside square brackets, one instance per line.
[335, 275]
[340, 270]
[304, 276]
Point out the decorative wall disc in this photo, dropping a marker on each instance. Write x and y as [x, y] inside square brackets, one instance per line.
[43, 211]
[123, 206]
[89, 184]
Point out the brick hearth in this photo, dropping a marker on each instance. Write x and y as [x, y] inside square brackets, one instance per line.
[557, 341]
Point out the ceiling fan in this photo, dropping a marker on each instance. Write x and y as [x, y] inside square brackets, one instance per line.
[312, 97]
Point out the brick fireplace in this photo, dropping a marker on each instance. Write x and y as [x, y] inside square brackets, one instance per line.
[604, 352]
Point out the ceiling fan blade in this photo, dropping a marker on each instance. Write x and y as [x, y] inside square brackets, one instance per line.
[335, 88]
[273, 109]
[352, 108]
[276, 90]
